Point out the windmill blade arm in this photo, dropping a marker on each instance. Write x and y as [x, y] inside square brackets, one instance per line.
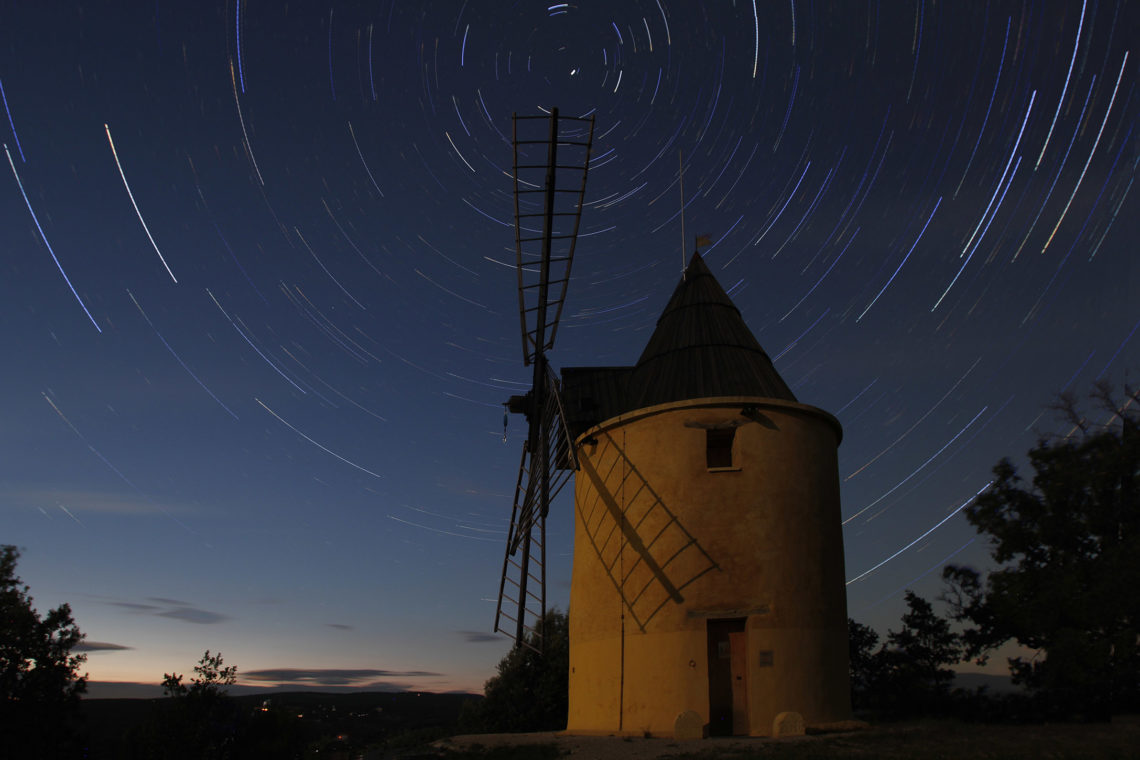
[543, 262]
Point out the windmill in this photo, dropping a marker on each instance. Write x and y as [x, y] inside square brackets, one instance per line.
[708, 575]
[550, 168]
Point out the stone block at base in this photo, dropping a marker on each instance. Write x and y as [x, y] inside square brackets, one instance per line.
[688, 726]
[788, 724]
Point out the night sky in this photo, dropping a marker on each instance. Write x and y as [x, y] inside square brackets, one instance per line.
[258, 307]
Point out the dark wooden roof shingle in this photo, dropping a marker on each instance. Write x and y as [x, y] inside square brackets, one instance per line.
[702, 348]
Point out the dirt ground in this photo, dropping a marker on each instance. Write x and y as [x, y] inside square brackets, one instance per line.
[605, 747]
[936, 740]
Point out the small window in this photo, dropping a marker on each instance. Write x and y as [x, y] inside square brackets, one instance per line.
[718, 447]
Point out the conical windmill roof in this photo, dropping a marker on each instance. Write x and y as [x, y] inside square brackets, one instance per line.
[702, 348]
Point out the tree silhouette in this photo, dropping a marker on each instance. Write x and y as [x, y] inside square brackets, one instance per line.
[1067, 545]
[39, 676]
[909, 674]
[917, 657]
[864, 665]
[199, 720]
[211, 682]
[530, 692]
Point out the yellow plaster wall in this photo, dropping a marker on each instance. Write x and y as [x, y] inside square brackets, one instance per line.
[660, 662]
[808, 668]
[662, 544]
[595, 669]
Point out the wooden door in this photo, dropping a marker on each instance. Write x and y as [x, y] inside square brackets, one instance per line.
[739, 671]
[728, 707]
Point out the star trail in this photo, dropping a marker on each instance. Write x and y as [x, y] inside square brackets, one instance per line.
[922, 209]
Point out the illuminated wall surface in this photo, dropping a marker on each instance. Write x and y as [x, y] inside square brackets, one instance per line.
[708, 569]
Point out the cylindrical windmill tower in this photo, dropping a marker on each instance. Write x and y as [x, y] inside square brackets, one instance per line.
[708, 549]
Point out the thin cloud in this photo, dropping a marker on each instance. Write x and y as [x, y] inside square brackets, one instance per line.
[99, 646]
[193, 615]
[134, 607]
[333, 676]
[339, 626]
[101, 502]
[173, 609]
[479, 637]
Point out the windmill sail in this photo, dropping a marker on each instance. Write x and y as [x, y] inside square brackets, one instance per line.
[558, 461]
[522, 586]
[550, 183]
[551, 160]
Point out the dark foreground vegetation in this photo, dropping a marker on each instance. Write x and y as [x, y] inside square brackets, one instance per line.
[1065, 547]
[43, 717]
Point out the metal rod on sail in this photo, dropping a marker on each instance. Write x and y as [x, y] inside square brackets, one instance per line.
[544, 275]
[520, 632]
[541, 627]
[681, 181]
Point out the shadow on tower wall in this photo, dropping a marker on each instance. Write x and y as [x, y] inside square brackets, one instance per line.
[625, 512]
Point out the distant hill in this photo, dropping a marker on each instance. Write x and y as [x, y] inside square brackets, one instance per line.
[347, 721]
[995, 683]
[135, 690]
[121, 690]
